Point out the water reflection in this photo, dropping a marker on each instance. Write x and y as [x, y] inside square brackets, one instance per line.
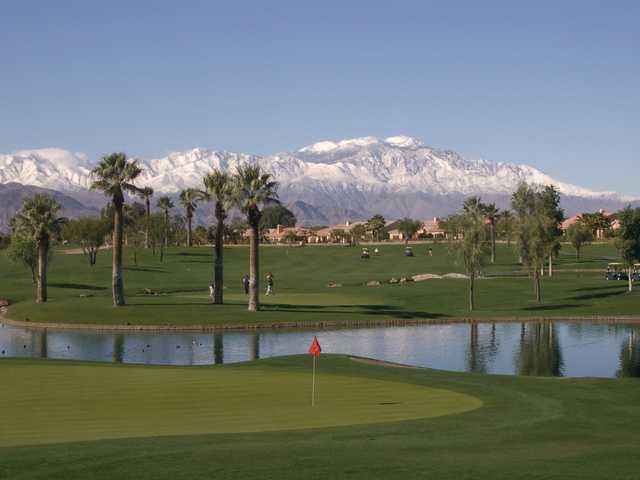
[539, 351]
[532, 348]
[630, 356]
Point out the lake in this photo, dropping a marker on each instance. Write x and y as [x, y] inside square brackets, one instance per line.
[569, 349]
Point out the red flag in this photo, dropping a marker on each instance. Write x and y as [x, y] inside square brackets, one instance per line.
[315, 349]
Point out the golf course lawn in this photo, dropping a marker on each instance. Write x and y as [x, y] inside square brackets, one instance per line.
[254, 420]
[81, 294]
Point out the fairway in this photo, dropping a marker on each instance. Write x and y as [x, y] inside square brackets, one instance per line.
[313, 284]
[45, 402]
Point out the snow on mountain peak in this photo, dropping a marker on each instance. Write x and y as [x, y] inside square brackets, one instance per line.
[404, 141]
[332, 171]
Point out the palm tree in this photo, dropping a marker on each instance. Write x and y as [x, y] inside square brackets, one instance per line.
[491, 214]
[38, 220]
[114, 176]
[189, 199]
[146, 193]
[219, 188]
[253, 189]
[165, 204]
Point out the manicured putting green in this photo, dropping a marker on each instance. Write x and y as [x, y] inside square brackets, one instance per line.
[51, 403]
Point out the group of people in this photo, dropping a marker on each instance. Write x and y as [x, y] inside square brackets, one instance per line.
[245, 285]
[269, 277]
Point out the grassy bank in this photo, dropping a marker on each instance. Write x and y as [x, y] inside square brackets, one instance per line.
[81, 294]
[391, 423]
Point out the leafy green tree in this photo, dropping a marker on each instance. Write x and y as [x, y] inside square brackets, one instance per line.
[219, 188]
[146, 193]
[157, 234]
[474, 247]
[506, 226]
[165, 204]
[290, 237]
[115, 175]
[189, 201]
[253, 189]
[200, 235]
[237, 229]
[25, 252]
[531, 232]
[274, 215]
[451, 226]
[598, 223]
[90, 233]
[553, 216]
[376, 226]
[338, 235]
[357, 233]
[409, 228]
[628, 239]
[579, 235]
[38, 221]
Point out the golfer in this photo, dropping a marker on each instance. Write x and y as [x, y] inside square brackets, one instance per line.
[245, 284]
[269, 284]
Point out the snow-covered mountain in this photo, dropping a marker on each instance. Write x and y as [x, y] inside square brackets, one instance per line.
[396, 176]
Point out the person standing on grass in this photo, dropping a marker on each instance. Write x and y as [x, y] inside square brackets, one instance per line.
[269, 284]
[245, 283]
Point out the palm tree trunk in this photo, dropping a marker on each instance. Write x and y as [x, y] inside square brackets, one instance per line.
[41, 287]
[218, 266]
[189, 241]
[148, 220]
[630, 279]
[117, 282]
[471, 291]
[550, 265]
[166, 228]
[492, 229]
[254, 269]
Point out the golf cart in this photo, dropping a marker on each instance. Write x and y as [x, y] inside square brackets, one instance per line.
[364, 253]
[616, 271]
[408, 252]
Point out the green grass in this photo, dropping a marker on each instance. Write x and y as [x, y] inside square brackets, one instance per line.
[494, 427]
[150, 402]
[302, 275]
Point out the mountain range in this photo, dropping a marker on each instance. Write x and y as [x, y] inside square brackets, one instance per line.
[323, 183]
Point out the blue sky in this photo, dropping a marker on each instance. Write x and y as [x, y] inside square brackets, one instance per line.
[552, 84]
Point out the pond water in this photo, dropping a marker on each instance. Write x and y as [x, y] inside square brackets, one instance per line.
[572, 349]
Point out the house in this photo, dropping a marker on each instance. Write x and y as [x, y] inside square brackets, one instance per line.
[599, 232]
[327, 234]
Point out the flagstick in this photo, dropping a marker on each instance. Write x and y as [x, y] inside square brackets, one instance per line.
[313, 386]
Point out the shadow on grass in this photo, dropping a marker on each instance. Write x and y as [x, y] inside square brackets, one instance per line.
[145, 269]
[604, 287]
[558, 306]
[591, 296]
[77, 286]
[359, 310]
[190, 254]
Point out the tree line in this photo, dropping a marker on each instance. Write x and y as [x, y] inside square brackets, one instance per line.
[249, 189]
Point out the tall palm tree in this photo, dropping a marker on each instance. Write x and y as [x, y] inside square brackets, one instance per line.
[165, 204]
[146, 193]
[115, 175]
[38, 220]
[189, 199]
[219, 188]
[253, 189]
[491, 214]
